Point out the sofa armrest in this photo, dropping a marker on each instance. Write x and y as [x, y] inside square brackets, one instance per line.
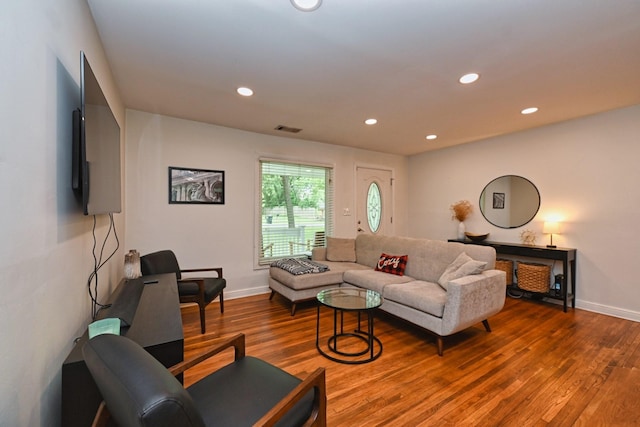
[319, 253]
[472, 299]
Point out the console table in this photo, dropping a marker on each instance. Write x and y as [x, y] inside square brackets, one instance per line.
[149, 310]
[566, 255]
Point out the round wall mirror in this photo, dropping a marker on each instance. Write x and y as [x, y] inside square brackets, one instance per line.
[509, 201]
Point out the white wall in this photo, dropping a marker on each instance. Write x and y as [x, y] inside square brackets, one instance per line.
[223, 235]
[586, 171]
[45, 249]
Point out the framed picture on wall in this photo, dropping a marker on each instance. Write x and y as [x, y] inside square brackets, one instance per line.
[498, 200]
[196, 186]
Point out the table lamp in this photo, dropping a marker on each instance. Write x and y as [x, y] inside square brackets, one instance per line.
[551, 227]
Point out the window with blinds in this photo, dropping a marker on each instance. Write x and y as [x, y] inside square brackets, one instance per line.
[296, 209]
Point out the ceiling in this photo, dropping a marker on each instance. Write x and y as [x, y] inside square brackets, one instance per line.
[398, 61]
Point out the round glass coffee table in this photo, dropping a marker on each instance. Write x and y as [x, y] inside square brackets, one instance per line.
[340, 344]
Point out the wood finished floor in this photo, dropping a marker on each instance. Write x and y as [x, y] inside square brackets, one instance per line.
[538, 367]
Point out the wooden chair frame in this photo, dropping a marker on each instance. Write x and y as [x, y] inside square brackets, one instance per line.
[200, 298]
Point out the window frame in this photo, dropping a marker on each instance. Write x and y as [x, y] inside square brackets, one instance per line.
[261, 261]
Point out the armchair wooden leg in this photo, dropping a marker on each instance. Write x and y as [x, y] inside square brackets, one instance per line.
[485, 322]
[202, 320]
[272, 294]
[221, 301]
[293, 308]
[440, 345]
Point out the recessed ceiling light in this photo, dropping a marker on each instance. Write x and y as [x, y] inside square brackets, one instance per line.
[431, 137]
[469, 78]
[306, 5]
[529, 110]
[244, 91]
[371, 121]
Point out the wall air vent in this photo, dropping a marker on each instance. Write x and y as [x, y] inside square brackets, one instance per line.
[287, 129]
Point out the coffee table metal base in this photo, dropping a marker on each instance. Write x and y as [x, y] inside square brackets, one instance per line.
[371, 341]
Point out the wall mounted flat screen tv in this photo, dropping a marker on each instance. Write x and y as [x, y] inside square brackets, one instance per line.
[96, 171]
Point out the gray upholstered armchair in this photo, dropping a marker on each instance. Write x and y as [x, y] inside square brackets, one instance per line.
[139, 391]
[199, 290]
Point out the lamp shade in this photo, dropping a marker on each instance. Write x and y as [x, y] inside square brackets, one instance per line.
[551, 227]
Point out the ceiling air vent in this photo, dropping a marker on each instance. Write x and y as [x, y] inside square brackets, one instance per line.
[287, 129]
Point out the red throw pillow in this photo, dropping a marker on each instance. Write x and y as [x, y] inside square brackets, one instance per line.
[392, 264]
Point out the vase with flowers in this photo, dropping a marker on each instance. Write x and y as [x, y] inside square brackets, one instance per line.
[460, 211]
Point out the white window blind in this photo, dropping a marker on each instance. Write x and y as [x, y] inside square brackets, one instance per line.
[296, 209]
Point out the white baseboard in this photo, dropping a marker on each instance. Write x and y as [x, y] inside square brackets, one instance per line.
[608, 310]
[248, 292]
[583, 305]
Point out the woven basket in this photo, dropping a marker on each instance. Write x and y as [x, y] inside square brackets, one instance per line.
[534, 277]
[506, 265]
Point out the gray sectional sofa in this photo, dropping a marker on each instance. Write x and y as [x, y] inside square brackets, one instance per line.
[446, 286]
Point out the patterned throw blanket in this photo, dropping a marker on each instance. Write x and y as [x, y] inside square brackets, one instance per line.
[299, 266]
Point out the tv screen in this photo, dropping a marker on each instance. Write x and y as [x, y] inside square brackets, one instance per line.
[96, 148]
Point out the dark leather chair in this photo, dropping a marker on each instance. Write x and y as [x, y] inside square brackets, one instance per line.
[200, 290]
[139, 391]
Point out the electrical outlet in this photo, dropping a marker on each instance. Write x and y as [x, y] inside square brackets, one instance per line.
[346, 212]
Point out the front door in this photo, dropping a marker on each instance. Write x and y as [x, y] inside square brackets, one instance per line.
[374, 201]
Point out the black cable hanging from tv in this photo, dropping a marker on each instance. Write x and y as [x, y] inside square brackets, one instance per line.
[96, 306]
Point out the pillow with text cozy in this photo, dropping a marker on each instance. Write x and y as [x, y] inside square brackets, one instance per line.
[392, 264]
[339, 249]
[462, 266]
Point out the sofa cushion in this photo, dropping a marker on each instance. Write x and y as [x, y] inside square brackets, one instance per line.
[424, 296]
[392, 264]
[462, 266]
[339, 249]
[374, 280]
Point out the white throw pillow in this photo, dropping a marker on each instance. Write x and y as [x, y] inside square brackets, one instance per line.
[462, 266]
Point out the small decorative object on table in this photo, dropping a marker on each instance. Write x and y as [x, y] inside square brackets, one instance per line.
[132, 268]
[104, 326]
[528, 237]
[475, 237]
[460, 211]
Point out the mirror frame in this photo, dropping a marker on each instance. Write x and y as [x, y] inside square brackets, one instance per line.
[509, 226]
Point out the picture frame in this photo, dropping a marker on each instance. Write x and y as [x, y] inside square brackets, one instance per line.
[498, 200]
[196, 186]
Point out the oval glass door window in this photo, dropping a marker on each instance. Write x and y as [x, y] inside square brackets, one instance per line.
[374, 207]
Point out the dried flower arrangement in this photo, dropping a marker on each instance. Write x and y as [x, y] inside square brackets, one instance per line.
[461, 210]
